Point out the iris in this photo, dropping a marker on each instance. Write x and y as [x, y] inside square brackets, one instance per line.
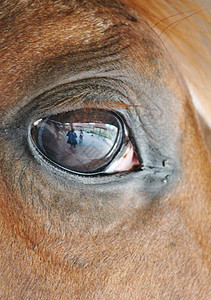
[85, 141]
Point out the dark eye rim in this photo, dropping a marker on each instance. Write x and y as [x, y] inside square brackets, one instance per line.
[100, 171]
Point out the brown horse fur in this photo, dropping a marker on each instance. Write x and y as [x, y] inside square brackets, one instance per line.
[139, 235]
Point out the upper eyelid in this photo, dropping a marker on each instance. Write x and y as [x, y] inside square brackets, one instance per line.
[38, 99]
[67, 97]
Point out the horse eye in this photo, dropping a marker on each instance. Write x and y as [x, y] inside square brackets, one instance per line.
[85, 141]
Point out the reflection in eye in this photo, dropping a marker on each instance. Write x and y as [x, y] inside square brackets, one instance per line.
[85, 141]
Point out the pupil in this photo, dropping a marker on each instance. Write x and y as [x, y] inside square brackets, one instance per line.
[83, 141]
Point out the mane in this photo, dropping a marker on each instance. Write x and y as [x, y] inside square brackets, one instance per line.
[184, 26]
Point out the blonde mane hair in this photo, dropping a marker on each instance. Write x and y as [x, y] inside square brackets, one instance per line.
[184, 26]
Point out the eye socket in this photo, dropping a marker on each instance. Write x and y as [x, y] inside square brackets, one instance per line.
[85, 141]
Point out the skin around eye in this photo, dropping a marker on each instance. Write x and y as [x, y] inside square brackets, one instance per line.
[85, 142]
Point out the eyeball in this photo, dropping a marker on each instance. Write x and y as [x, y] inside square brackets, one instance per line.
[85, 141]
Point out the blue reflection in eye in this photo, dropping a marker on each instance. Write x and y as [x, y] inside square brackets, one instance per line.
[85, 141]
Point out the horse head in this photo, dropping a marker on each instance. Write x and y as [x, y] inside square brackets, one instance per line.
[131, 224]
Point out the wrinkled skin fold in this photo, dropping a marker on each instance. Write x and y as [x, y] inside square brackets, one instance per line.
[133, 235]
